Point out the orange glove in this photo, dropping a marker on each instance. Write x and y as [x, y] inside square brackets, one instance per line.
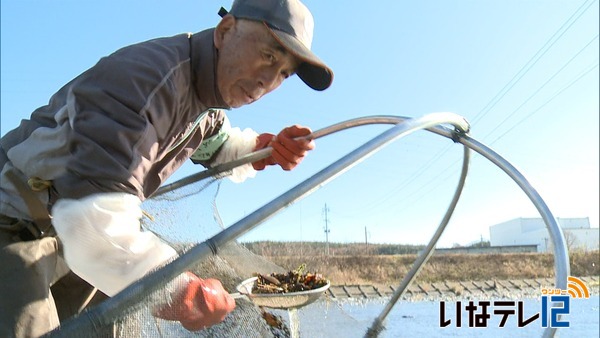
[263, 141]
[287, 152]
[199, 304]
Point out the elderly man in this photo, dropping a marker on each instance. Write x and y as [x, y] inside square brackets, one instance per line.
[110, 137]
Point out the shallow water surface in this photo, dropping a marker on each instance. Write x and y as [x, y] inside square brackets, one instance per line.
[328, 318]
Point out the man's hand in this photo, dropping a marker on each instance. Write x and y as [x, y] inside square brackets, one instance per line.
[199, 304]
[287, 152]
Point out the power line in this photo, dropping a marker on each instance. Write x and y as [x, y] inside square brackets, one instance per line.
[516, 78]
[446, 171]
[534, 59]
[542, 86]
[549, 100]
[404, 183]
[380, 202]
[492, 103]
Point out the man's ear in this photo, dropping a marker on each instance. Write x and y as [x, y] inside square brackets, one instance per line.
[226, 24]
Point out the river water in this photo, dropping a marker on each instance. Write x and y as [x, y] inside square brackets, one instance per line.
[328, 318]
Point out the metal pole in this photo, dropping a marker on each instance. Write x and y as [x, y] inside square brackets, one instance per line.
[113, 308]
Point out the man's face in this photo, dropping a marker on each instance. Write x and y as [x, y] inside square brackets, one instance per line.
[251, 62]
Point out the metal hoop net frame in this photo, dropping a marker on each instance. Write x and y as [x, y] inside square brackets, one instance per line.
[180, 214]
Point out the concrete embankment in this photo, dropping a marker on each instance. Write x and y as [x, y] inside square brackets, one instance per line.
[491, 289]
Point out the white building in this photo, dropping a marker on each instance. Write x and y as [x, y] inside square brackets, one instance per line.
[579, 235]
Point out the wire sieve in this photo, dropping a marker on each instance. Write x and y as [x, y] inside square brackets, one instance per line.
[288, 300]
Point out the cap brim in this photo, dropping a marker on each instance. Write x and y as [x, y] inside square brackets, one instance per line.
[312, 70]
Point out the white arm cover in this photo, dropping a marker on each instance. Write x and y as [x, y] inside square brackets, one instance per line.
[238, 144]
[103, 242]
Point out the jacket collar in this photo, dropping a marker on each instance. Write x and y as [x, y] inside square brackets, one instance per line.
[204, 68]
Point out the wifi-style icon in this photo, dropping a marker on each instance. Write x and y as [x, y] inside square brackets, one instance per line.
[576, 288]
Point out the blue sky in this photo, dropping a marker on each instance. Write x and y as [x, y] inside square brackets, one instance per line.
[524, 73]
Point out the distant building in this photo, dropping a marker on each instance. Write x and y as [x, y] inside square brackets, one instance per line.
[579, 235]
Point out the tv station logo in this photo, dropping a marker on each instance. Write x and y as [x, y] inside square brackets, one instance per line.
[555, 303]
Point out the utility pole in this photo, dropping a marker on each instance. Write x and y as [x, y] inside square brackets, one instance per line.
[366, 243]
[325, 210]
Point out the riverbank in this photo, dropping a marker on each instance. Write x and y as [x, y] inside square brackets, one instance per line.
[390, 269]
[490, 289]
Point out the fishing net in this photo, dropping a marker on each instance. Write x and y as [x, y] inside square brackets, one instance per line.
[184, 217]
[188, 215]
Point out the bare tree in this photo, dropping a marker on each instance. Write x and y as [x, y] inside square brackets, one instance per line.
[570, 241]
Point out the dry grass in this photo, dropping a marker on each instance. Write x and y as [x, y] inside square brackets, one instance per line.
[390, 269]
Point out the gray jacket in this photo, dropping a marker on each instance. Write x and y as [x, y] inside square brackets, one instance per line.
[124, 125]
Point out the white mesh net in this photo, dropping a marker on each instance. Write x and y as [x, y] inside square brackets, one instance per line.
[184, 217]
